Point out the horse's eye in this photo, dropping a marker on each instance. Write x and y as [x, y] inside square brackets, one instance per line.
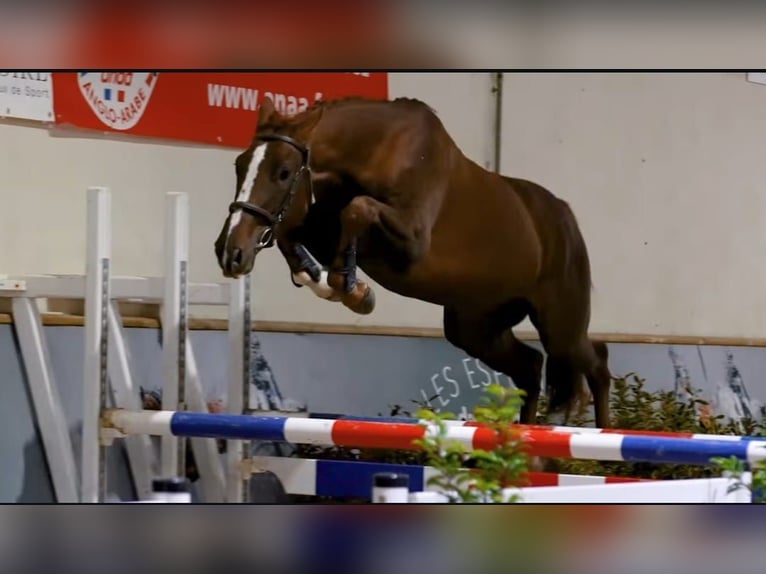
[284, 173]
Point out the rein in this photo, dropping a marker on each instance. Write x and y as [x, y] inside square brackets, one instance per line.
[267, 238]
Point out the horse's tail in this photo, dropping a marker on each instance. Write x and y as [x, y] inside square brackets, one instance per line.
[576, 258]
[568, 386]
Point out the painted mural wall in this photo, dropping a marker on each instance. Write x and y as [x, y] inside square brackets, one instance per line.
[345, 374]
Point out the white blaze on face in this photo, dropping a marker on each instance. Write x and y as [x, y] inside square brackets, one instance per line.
[244, 192]
[247, 184]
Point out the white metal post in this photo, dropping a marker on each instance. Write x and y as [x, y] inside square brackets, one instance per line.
[127, 396]
[238, 401]
[205, 450]
[47, 402]
[174, 325]
[97, 296]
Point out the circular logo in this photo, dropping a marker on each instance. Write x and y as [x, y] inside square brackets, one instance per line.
[118, 99]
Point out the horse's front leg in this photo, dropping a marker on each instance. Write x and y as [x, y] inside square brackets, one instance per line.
[309, 272]
[404, 241]
[305, 270]
[355, 294]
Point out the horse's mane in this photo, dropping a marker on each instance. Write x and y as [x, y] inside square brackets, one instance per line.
[340, 102]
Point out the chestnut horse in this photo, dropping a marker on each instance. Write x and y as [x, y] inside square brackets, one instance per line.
[382, 185]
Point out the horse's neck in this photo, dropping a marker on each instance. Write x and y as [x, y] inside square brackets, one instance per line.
[345, 145]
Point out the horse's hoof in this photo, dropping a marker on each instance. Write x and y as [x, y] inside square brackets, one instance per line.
[361, 300]
[367, 305]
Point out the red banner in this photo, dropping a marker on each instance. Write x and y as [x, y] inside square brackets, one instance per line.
[214, 108]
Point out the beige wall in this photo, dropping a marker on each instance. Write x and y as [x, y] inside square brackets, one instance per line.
[43, 180]
[661, 169]
[663, 173]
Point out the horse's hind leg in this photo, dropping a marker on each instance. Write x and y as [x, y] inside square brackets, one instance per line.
[571, 354]
[494, 344]
[599, 381]
[590, 359]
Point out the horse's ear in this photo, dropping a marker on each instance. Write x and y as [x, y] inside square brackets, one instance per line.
[266, 111]
[307, 125]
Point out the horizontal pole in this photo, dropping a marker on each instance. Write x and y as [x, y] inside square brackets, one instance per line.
[410, 332]
[438, 333]
[684, 491]
[363, 434]
[554, 428]
[147, 289]
[353, 479]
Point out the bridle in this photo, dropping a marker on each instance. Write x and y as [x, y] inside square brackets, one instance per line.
[267, 237]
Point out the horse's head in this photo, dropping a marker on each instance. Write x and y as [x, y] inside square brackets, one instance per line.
[271, 172]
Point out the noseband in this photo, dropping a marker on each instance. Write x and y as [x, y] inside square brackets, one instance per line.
[275, 218]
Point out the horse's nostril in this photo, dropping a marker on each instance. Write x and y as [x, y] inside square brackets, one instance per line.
[236, 256]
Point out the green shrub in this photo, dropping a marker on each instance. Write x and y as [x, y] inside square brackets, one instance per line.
[493, 470]
[736, 467]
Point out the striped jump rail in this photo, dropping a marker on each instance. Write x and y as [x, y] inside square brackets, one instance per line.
[352, 479]
[365, 434]
[552, 428]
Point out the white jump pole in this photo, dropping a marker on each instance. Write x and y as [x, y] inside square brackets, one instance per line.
[238, 402]
[174, 326]
[97, 297]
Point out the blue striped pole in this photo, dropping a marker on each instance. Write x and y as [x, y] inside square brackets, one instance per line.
[363, 434]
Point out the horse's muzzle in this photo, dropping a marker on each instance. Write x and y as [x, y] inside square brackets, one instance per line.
[236, 262]
[237, 258]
